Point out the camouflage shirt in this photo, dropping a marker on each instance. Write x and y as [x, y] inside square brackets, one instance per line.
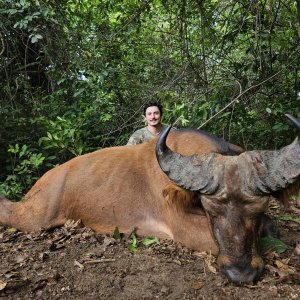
[142, 135]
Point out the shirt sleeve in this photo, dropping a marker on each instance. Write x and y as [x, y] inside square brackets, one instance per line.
[134, 139]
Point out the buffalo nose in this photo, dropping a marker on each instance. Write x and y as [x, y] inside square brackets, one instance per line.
[238, 275]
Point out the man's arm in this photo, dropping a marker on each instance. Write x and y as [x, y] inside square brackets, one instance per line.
[135, 138]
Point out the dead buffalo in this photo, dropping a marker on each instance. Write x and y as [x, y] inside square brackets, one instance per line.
[210, 197]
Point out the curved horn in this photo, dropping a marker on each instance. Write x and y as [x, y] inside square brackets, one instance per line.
[161, 146]
[295, 121]
[195, 173]
[274, 170]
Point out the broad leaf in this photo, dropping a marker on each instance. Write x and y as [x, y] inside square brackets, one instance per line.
[273, 244]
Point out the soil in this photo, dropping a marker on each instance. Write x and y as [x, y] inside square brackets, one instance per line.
[77, 263]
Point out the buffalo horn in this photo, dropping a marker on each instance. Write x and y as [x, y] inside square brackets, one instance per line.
[295, 121]
[272, 171]
[195, 173]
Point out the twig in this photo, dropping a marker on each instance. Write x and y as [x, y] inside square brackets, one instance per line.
[235, 100]
[102, 260]
[3, 45]
[248, 89]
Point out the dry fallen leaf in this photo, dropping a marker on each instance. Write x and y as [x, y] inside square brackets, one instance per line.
[209, 261]
[52, 281]
[279, 264]
[39, 285]
[297, 248]
[78, 264]
[211, 268]
[176, 261]
[108, 241]
[71, 224]
[286, 260]
[21, 259]
[201, 254]
[198, 285]
[281, 268]
[3, 284]
[43, 256]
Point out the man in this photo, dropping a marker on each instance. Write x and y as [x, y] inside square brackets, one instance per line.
[152, 115]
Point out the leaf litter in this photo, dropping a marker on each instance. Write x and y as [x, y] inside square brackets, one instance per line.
[73, 262]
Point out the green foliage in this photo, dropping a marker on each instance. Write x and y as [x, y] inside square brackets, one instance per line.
[75, 74]
[117, 234]
[133, 245]
[289, 218]
[135, 242]
[24, 171]
[63, 136]
[150, 241]
[273, 244]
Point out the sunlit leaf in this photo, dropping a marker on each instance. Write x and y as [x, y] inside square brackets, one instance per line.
[132, 246]
[289, 218]
[12, 230]
[268, 110]
[3, 284]
[150, 240]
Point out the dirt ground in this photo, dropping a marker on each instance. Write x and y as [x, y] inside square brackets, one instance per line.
[76, 263]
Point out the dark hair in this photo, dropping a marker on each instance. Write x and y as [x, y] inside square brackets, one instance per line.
[157, 104]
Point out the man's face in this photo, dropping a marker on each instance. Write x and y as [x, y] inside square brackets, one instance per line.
[153, 116]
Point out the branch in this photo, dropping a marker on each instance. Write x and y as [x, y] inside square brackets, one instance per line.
[298, 15]
[28, 65]
[3, 46]
[235, 100]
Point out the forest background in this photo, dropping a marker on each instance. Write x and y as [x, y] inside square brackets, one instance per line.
[75, 75]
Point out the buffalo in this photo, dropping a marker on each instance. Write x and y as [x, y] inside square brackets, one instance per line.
[187, 186]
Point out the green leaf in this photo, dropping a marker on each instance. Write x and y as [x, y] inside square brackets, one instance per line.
[274, 244]
[289, 218]
[80, 91]
[268, 110]
[35, 38]
[117, 234]
[12, 11]
[13, 149]
[150, 240]
[134, 243]
[49, 135]
[55, 136]
[23, 151]
[132, 248]
[12, 230]
[89, 254]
